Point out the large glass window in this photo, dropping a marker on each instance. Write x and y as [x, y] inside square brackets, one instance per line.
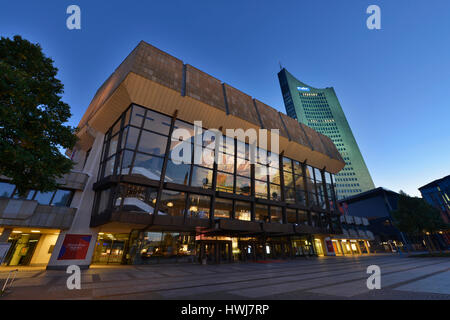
[137, 116]
[104, 200]
[291, 215]
[223, 208]
[201, 177]
[173, 203]
[224, 182]
[109, 167]
[44, 197]
[132, 135]
[261, 189]
[177, 173]
[276, 214]
[157, 122]
[275, 192]
[242, 211]
[288, 179]
[199, 206]
[300, 196]
[315, 219]
[303, 217]
[133, 198]
[159, 246]
[298, 168]
[261, 212]
[261, 172]
[226, 163]
[6, 189]
[243, 186]
[274, 175]
[62, 198]
[179, 124]
[113, 145]
[289, 195]
[311, 186]
[144, 165]
[243, 167]
[152, 143]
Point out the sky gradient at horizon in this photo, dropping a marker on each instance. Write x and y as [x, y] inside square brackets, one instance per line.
[393, 83]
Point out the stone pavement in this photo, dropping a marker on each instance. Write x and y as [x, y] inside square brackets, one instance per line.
[313, 278]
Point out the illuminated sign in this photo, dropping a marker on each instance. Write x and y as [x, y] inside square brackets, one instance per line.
[303, 89]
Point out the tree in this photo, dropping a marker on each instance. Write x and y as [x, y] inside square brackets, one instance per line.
[32, 118]
[416, 217]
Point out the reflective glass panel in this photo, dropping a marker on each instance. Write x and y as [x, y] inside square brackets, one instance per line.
[147, 166]
[261, 213]
[275, 192]
[260, 189]
[177, 173]
[201, 177]
[152, 143]
[199, 206]
[157, 122]
[44, 197]
[137, 116]
[224, 182]
[242, 211]
[243, 186]
[6, 189]
[291, 215]
[223, 208]
[173, 203]
[62, 198]
[276, 214]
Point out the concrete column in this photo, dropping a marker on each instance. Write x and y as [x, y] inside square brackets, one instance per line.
[84, 204]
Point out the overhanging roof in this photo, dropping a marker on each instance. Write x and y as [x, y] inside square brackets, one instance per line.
[155, 79]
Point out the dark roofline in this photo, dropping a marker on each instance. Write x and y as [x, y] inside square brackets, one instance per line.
[435, 182]
[367, 194]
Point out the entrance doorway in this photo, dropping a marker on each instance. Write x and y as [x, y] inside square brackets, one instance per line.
[110, 248]
[214, 251]
[22, 249]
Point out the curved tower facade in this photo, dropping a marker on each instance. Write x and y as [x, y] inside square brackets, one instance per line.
[320, 109]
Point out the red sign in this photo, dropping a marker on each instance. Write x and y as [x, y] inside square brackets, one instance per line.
[75, 247]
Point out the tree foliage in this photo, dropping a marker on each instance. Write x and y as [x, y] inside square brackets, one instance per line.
[32, 117]
[417, 217]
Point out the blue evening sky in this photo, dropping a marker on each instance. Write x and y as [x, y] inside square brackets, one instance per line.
[393, 84]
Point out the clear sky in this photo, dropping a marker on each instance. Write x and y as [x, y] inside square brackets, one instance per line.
[393, 83]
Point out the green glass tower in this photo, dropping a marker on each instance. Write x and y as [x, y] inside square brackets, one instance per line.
[320, 109]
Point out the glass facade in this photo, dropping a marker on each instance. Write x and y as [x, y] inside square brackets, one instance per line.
[141, 144]
[59, 197]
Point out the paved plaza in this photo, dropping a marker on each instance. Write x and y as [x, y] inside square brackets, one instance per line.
[313, 278]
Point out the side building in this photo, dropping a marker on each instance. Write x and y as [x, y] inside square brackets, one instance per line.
[376, 205]
[139, 205]
[320, 109]
[437, 193]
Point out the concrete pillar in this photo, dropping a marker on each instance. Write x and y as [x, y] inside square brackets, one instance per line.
[84, 204]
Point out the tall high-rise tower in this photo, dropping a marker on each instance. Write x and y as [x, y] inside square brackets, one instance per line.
[320, 109]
